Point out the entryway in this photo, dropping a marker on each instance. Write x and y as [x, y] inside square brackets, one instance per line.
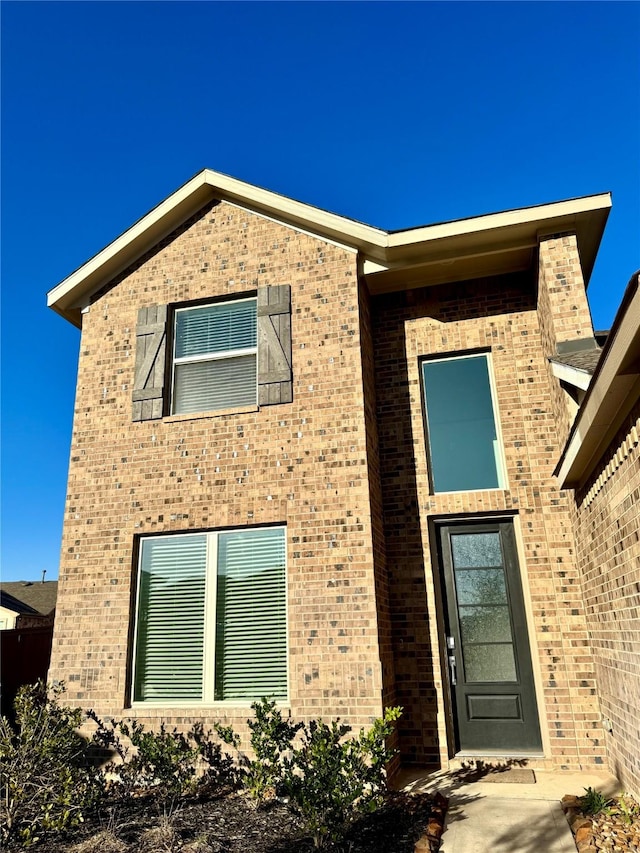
[490, 672]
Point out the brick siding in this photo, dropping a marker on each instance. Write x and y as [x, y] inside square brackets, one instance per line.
[608, 535]
[302, 464]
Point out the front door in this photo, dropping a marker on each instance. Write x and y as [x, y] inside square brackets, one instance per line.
[487, 641]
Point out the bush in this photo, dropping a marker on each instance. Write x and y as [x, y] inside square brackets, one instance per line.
[332, 781]
[45, 776]
[165, 761]
[271, 738]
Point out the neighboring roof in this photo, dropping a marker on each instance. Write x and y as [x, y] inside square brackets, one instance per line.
[584, 358]
[10, 603]
[474, 247]
[576, 361]
[613, 391]
[29, 596]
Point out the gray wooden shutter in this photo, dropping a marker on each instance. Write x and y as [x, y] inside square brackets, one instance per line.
[274, 345]
[151, 345]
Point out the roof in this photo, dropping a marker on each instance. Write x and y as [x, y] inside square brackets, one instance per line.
[576, 361]
[612, 393]
[580, 359]
[29, 597]
[479, 246]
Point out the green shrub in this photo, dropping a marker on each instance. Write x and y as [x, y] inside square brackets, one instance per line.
[332, 780]
[47, 784]
[219, 768]
[271, 738]
[166, 761]
[163, 760]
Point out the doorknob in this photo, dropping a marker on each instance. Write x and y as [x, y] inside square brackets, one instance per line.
[452, 669]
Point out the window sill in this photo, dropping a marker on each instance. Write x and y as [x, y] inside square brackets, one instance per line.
[470, 491]
[229, 706]
[216, 413]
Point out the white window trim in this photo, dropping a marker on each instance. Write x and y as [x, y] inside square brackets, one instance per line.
[208, 663]
[501, 466]
[192, 359]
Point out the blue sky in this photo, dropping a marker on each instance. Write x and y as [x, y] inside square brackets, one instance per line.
[396, 114]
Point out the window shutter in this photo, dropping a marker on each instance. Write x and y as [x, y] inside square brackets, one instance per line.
[151, 343]
[274, 345]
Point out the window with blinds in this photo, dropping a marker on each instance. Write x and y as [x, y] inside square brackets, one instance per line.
[211, 621]
[215, 357]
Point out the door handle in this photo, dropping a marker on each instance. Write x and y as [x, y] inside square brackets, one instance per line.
[452, 669]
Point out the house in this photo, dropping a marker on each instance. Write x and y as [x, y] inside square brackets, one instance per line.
[26, 604]
[314, 459]
[601, 464]
[27, 611]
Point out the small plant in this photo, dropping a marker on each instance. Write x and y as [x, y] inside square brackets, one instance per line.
[332, 780]
[629, 809]
[271, 738]
[593, 802]
[47, 784]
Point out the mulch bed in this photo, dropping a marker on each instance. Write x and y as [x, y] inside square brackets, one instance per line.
[232, 824]
[615, 830]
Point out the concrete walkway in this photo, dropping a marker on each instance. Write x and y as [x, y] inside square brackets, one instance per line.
[505, 815]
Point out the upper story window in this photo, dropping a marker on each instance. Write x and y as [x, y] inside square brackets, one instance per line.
[211, 617]
[462, 431]
[215, 357]
[226, 356]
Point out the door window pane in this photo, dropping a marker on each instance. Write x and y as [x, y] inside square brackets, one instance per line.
[480, 586]
[463, 439]
[491, 624]
[476, 549]
[491, 662]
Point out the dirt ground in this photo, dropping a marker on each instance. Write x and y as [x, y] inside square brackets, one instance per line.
[232, 824]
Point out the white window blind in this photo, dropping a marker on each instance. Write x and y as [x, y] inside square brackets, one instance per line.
[171, 619]
[215, 354]
[211, 617]
[251, 603]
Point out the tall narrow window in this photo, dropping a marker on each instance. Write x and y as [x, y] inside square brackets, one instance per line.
[215, 354]
[211, 617]
[463, 440]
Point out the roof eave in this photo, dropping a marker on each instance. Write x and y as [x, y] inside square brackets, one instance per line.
[613, 391]
[492, 243]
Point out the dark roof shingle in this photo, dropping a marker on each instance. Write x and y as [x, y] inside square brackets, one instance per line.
[33, 596]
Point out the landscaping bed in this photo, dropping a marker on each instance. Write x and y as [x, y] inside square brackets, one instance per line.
[232, 824]
[600, 824]
[125, 789]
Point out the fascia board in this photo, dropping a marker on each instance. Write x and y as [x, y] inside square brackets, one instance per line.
[184, 202]
[384, 248]
[537, 216]
[130, 245]
[573, 375]
[315, 219]
[612, 393]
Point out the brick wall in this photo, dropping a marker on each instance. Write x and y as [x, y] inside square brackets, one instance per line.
[302, 464]
[563, 313]
[608, 527]
[498, 315]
